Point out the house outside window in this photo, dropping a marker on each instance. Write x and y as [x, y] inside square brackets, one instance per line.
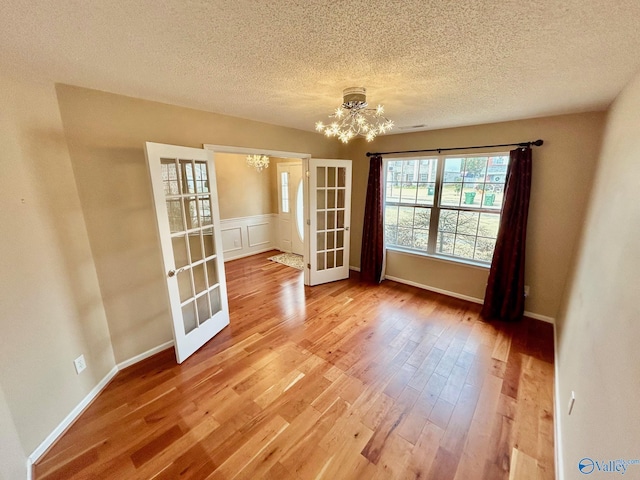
[445, 206]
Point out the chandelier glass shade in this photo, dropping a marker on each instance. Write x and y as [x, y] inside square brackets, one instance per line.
[353, 118]
[259, 162]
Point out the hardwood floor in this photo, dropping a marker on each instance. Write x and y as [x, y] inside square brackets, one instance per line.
[339, 381]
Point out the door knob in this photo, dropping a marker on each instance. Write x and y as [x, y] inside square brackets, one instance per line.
[173, 273]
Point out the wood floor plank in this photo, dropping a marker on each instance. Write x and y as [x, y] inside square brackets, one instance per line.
[339, 381]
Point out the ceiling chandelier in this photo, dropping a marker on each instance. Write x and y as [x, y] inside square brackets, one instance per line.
[258, 161]
[353, 118]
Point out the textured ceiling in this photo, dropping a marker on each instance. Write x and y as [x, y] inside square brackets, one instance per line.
[285, 62]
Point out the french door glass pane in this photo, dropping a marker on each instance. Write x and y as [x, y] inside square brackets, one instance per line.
[209, 244]
[205, 210]
[189, 317]
[174, 211]
[198, 278]
[330, 261]
[170, 176]
[212, 273]
[214, 297]
[191, 212]
[189, 185]
[320, 172]
[184, 285]
[179, 251]
[342, 177]
[331, 219]
[195, 247]
[331, 176]
[202, 302]
[331, 198]
[202, 177]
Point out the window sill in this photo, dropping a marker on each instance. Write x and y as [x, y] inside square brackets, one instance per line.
[441, 258]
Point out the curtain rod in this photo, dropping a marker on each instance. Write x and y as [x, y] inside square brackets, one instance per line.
[535, 143]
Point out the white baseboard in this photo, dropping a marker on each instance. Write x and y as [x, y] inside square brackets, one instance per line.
[228, 257]
[468, 298]
[77, 411]
[69, 419]
[355, 269]
[142, 356]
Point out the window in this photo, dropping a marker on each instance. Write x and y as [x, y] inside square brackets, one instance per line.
[284, 189]
[451, 209]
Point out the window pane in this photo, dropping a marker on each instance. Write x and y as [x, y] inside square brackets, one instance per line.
[445, 243]
[405, 216]
[391, 234]
[488, 226]
[284, 192]
[391, 215]
[420, 239]
[464, 246]
[484, 249]
[475, 169]
[448, 221]
[409, 192]
[451, 194]
[405, 237]
[468, 223]
[422, 217]
[470, 195]
[426, 193]
[392, 193]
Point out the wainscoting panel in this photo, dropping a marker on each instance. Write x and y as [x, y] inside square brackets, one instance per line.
[244, 236]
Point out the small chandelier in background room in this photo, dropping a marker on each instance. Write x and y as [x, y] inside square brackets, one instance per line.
[353, 118]
[258, 162]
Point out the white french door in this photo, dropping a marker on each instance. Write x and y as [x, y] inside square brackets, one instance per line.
[186, 203]
[329, 220]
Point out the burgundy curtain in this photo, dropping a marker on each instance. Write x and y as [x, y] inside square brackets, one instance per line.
[372, 255]
[504, 297]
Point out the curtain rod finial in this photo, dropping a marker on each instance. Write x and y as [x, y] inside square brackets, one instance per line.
[538, 142]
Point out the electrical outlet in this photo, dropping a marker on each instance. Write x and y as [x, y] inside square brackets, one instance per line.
[526, 290]
[572, 400]
[80, 364]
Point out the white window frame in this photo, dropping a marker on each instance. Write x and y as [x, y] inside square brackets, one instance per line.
[436, 207]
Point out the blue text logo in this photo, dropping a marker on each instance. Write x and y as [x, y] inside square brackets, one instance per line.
[619, 466]
[586, 465]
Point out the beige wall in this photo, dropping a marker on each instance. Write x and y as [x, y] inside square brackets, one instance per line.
[562, 176]
[50, 305]
[13, 460]
[597, 331]
[242, 190]
[105, 134]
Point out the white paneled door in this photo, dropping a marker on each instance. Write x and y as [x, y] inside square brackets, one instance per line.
[186, 204]
[329, 220]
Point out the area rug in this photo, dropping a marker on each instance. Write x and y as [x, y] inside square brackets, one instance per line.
[289, 259]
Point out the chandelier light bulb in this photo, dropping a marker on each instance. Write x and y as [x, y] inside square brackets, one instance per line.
[354, 118]
[260, 162]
